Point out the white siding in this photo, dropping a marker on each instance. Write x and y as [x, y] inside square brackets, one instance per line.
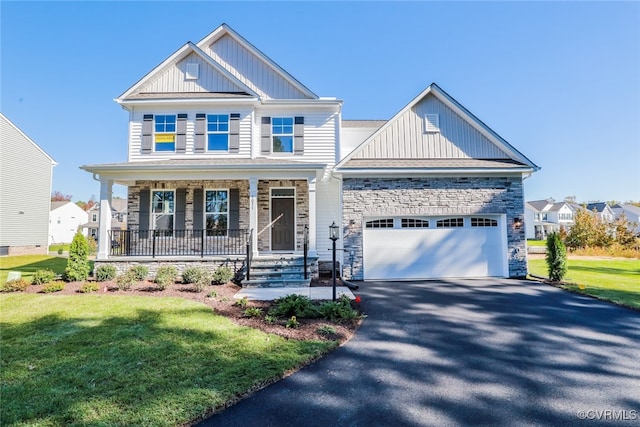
[406, 138]
[172, 79]
[328, 209]
[25, 189]
[251, 70]
[65, 221]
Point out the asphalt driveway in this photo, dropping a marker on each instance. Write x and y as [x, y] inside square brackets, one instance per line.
[461, 353]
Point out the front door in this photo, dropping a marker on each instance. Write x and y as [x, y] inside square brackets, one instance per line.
[283, 224]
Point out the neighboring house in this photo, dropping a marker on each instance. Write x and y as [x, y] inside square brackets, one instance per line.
[65, 219]
[118, 217]
[547, 216]
[230, 155]
[602, 210]
[631, 212]
[25, 192]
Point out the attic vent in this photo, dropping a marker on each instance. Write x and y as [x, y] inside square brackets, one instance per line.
[192, 71]
[431, 123]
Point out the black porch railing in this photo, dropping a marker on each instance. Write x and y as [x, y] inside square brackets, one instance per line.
[178, 242]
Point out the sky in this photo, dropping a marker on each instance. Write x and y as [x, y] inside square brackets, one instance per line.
[560, 81]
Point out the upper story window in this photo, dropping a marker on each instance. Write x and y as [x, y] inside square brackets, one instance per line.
[165, 132]
[282, 134]
[163, 210]
[565, 216]
[217, 212]
[217, 132]
[94, 217]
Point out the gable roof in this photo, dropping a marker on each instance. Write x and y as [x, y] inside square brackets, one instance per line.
[597, 206]
[225, 29]
[8, 122]
[548, 205]
[433, 89]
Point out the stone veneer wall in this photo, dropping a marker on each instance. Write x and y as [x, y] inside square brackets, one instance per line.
[264, 209]
[211, 265]
[433, 196]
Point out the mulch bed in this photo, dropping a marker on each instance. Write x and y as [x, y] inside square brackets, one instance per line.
[223, 304]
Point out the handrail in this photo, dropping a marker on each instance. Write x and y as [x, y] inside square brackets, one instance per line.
[270, 224]
[305, 248]
[249, 253]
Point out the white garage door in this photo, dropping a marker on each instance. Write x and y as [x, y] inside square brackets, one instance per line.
[434, 247]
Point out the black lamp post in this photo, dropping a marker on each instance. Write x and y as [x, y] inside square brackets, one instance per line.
[333, 235]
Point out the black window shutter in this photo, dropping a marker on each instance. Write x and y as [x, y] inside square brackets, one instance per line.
[198, 205]
[200, 132]
[181, 134]
[147, 133]
[234, 209]
[234, 133]
[298, 135]
[181, 203]
[145, 205]
[265, 130]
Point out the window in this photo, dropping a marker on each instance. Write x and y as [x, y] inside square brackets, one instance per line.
[282, 134]
[380, 223]
[216, 212]
[94, 217]
[483, 222]
[450, 223]
[565, 217]
[217, 132]
[165, 132]
[414, 223]
[162, 211]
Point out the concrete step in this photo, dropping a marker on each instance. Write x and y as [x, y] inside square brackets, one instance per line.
[276, 283]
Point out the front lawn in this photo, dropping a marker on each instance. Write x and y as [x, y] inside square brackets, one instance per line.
[29, 264]
[616, 280]
[532, 242]
[129, 360]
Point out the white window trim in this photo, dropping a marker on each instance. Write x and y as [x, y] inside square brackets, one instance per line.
[206, 123]
[293, 124]
[192, 71]
[174, 133]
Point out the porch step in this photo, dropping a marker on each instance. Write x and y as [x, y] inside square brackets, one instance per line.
[276, 271]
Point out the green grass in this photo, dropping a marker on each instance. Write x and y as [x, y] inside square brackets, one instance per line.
[144, 361]
[56, 248]
[532, 242]
[29, 264]
[616, 280]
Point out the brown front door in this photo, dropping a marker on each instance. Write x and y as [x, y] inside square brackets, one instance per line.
[283, 229]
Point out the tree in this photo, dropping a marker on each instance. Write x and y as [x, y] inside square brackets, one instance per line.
[78, 265]
[556, 257]
[588, 230]
[57, 196]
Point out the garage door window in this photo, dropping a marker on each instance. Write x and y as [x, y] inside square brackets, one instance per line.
[450, 223]
[483, 222]
[414, 223]
[380, 223]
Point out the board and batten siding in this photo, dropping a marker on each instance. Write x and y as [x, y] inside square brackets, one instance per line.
[135, 135]
[327, 211]
[405, 138]
[251, 70]
[25, 190]
[172, 79]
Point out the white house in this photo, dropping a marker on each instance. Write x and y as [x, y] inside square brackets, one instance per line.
[118, 217]
[231, 157]
[26, 173]
[547, 216]
[631, 212]
[602, 210]
[65, 219]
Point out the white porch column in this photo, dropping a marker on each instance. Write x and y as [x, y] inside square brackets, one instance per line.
[311, 181]
[253, 213]
[104, 227]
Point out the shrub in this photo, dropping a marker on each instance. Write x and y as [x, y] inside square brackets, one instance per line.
[242, 302]
[222, 275]
[195, 275]
[212, 294]
[78, 265]
[139, 272]
[43, 276]
[165, 276]
[17, 285]
[106, 272]
[338, 310]
[60, 251]
[556, 257]
[269, 319]
[55, 286]
[292, 323]
[293, 305]
[126, 281]
[92, 245]
[326, 330]
[253, 312]
[88, 287]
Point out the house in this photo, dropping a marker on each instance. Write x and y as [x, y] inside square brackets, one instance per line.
[232, 158]
[631, 212]
[65, 219]
[547, 216]
[602, 211]
[26, 173]
[118, 217]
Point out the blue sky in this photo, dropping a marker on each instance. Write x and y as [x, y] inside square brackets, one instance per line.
[559, 80]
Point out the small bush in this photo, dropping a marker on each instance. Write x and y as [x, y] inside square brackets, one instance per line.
[93, 245]
[293, 305]
[338, 310]
[292, 323]
[212, 294]
[106, 272]
[195, 274]
[78, 266]
[126, 281]
[253, 312]
[60, 251]
[17, 285]
[270, 319]
[326, 330]
[242, 302]
[88, 287]
[55, 286]
[222, 275]
[556, 257]
[165, 276]
[139, 272]
[43, 276]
